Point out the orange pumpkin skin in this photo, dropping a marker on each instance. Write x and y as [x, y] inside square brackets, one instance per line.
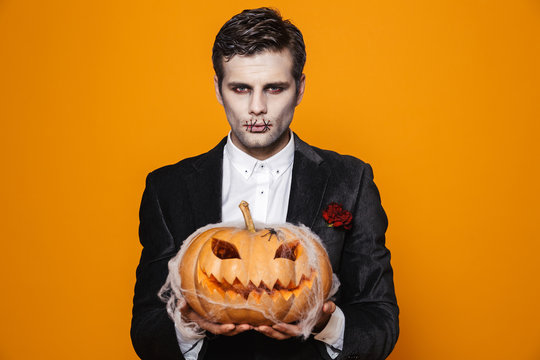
[231, 275]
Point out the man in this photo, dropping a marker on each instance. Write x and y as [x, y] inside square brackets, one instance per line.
[259, 59]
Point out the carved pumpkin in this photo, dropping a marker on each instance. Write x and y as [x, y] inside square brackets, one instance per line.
[232, 275]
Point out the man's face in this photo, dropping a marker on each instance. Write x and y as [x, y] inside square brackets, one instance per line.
[259, 96]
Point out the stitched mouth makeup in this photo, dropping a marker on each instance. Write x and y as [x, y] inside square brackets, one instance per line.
[256, 126]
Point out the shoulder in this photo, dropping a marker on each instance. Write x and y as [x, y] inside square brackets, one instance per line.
[338, 164]
[175, 173]
[335, 158]
[346, 169]
[179, 169]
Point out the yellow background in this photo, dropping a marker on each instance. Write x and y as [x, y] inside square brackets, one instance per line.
[441, 97]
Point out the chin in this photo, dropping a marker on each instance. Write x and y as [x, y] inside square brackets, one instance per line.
[257, 141]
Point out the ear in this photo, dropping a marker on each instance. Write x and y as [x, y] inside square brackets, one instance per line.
[218, 93]
[301, 88]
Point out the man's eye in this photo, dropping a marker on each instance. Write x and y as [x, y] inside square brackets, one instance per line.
[275, 90]
[240, 90]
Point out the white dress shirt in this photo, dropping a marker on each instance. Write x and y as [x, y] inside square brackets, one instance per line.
[266, 186]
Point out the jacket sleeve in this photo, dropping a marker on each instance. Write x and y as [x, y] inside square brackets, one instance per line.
[152, 331]
[367, 289]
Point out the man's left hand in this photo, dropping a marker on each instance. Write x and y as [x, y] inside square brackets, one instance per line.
[284, 331]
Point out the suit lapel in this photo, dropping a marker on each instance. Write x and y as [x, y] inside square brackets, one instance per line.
[309, 180]
[204, 187]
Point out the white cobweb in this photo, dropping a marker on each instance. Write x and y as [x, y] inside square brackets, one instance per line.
[172, 291]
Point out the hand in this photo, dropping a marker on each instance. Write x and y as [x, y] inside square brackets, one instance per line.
[215, 328]
[284, 331]
[327, 310]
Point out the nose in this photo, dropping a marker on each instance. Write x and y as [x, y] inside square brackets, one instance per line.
[257, 104]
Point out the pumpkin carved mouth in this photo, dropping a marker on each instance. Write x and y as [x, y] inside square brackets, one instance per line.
[278, 289]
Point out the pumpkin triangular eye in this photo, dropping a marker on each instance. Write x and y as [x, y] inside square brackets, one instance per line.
[224, 249]
[287, 251]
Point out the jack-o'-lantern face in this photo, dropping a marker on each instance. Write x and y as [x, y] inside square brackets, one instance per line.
[265, 267]
[232, 275]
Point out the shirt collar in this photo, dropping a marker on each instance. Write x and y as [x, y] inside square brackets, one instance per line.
[246, 164]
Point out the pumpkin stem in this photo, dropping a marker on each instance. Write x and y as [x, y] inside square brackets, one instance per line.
[244, 207]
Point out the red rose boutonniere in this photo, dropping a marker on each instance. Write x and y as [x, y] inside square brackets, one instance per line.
[336, 216]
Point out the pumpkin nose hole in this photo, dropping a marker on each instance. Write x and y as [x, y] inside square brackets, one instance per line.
[224, 250]
[287, 251]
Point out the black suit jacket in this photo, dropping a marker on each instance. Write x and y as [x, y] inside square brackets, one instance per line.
[183, 197]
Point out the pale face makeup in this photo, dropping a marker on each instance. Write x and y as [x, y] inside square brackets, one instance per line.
[259, 96]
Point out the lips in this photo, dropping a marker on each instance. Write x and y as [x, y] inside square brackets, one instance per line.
[258, 126]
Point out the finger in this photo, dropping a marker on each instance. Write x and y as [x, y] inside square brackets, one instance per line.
[244, 327]
[270, 332]
[185, 308]
[181, 306]
[238, 329]
[329, 307]
[214, 328]
[217, 329]
[188, 315]
[289, 329]
[193, 316]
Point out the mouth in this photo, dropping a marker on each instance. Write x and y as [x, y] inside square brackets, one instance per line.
[237, 288]
[256, 126]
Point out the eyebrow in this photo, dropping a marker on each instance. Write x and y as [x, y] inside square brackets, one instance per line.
[238, 84]
[281, 84]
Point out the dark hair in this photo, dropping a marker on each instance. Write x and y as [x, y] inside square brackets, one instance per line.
[254, 31]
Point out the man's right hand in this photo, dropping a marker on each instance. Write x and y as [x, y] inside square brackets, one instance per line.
[215, 328]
